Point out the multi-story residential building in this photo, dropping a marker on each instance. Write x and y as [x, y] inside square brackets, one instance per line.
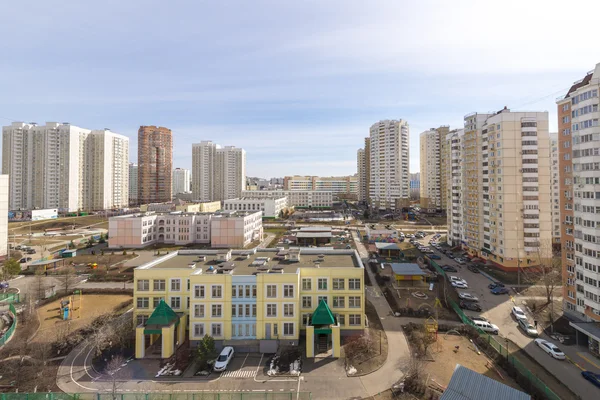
[389, 161]
[133, 184]
[253, 300]
[579, 131]
[65, 167]
[362, 175]
[445, 172]
[223, 229]
[218, 173]
[506, 171]
[347, 185]
[433, 170]
[415, 185]
[181, 181]
[4, 188]
[207, 207]
[270, 207]
[454, 207]
[555, 189]
[310, 199]
[155, 164]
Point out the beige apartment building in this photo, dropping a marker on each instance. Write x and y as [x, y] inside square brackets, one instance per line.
[364, 171]
[433, 168]
[506, 171]
[555, 190]
[454, 207]
[338, 185]
[218, 173]
[155, 164]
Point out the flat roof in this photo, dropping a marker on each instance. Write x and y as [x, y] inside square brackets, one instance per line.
[250, 262]
[313, 235]
[589, 328]
[406, 269]
[315, 229]
[386, 246]
[47, 262]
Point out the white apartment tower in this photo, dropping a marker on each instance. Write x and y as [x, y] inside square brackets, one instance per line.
[65, 167]
[389, 164]
[431, 188]
[218, 173]
[454, 210]
[133, 184]
[555, 190]
[181, 180]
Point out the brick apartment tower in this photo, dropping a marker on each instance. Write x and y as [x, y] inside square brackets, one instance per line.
[155, 164]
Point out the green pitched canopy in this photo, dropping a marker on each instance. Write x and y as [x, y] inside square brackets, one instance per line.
[163, 315]
[323, 315]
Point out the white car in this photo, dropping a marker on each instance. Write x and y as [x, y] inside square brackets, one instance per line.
[467, 296]
[224, 358]
[460, 285]
[527, 327]
[518, 313]
[460, 261]
[550, 348]
[486, 327]
[457, 279]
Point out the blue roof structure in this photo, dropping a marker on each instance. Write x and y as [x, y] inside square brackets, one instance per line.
[467, 384]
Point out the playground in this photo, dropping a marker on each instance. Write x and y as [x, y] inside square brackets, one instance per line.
[80, 309]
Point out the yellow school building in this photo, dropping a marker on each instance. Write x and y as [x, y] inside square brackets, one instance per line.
[253, 300]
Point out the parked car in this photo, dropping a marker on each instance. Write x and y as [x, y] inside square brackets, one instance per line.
[25, 260]
[500, 290]
[460, 285]
[454, 278]
[473, 269]
[18, 247]
[592, 377]
[460, 261]
[479, 318]
[469, 305]
[449, 268]
[495, 285]
[518, 313]
[31, 251]
[550, 348]
[486, 327]
[224, 358]
[434, 257]
[450, 256]
[528, 328]
[467, 296]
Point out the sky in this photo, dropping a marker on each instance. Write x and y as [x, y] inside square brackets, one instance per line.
[297, 84]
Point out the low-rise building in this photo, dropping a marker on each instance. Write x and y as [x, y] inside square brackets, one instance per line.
[314, 236]
[223, 229]
[180, 205]
[253, 300]
[270, 207]
[296, 198]
[378, 232]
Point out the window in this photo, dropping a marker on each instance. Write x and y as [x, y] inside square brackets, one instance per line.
[143, 285]
[175, 285]
[254, 310]
[199, 291]
[354, 319]
[322, 283]
[288, 290]
[339, 302]
[143, 302]
[248, 288]
[338, 283]
[199, 330]
[288, 329]
[288, 310]
[216, 330]
[341, 318]
[176, 302]
[275, 330]
[247, 307]
[306, 284]
[306, 319]
[159, 285]
[198, 310]
[324, 298]
[240, 291]
[254, 293]
[156, 300]
[354, 284]
[354, 301]
[217, 291]
[141, 319]
[306, 301]
[233, 291]
[271, 310]
[271, 291]
[216, 311]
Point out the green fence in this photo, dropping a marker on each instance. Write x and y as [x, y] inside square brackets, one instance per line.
[9, 297]
[12, 328]
[502, 350]
[159, 396]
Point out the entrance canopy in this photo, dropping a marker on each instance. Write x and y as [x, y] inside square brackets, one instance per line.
[322, 318]
[162, 316]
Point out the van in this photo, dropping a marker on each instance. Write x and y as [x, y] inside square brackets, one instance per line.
[486, 326]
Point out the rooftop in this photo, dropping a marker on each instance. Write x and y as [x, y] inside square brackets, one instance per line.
[313, 235]
[466, 384]
[406, 269]
[219, 214]
[315, 229]
[251, 262]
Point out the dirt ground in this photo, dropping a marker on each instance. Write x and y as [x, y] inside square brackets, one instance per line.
[67, 222]
[94, 305]
[101, 260]
[446, 359]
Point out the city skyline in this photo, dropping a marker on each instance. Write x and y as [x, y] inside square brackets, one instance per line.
[278, 87]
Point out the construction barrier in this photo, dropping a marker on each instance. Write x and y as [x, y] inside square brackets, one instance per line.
[5, 338]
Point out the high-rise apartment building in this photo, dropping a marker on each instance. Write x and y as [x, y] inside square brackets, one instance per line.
[155, 164]
[555, 189]
[454, 207]
[362, 175]
[133, 184]
[430, 160]
[579, 144]
[415, 186]
[389, 186]
[505, 172]
[218, 173]
[181, 180]
[65, 167]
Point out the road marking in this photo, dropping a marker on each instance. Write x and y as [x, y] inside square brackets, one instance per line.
[247, 354]
[588, 360]
[71, 372]
[238, 374]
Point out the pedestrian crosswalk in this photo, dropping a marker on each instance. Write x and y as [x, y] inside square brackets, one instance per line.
[240, 373]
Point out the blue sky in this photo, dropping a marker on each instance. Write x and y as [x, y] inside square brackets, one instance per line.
[295, 83]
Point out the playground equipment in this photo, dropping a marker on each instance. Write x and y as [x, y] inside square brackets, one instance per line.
[67, 307]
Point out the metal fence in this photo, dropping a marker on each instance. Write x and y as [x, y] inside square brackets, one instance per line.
[12, 328]
[9, 297]
[502, 350]
[159, 396]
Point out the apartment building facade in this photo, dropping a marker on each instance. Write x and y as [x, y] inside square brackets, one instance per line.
[155, 164]
[181, 181]
[415, 186]
[65, 167]
[218, 173]
[555, 189]
[362, 175]
[4, 190]
[223, 229]
[133, 184]
[430, 160]
[270, 207]
[579, 137]
[253, 300]
[309, 199]
[347, 185]
[454, 208]
[389, 186]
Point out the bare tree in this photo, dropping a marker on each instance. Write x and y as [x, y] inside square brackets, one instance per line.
[39, 285]
[67, 279]
[113, 367]
[549, 273]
